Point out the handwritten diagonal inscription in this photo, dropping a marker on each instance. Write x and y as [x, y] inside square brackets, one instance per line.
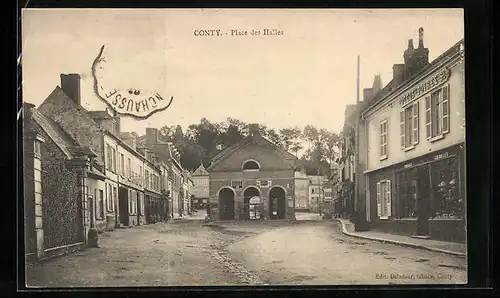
[133, 102]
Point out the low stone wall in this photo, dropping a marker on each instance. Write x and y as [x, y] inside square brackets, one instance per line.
[405, 227]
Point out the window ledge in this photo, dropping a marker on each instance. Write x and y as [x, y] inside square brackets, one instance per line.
[383, 157]
[436, 138]
[405, 149]
[384, 217]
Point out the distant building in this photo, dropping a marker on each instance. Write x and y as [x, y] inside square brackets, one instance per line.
[201, 192]
[301, 191]
[253, 179]
[316, 192]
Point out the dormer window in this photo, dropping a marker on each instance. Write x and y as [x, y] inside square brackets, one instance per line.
[251, 165]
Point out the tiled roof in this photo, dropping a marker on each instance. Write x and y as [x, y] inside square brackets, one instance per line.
[55, 132]
[100, 115]
[392, 87]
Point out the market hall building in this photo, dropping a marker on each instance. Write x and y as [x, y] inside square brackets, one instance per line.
[415, 158]
[252, 180]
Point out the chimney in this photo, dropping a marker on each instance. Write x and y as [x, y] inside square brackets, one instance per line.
[421, 38]
[151, 136]
[377, 84]
[253, 129]
[367, 94]
[117, 124]
[398, 73]
[70, 84]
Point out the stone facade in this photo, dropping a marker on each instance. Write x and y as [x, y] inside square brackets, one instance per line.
[239, 193]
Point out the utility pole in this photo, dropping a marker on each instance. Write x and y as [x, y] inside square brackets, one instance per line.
[356, 154]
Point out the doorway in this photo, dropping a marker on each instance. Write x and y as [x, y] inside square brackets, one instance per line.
[251, 204]
[277, 203]
[226, 204]
[423, 193]
[123, 206]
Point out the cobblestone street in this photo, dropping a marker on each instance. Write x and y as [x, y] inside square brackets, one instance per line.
[187, 252]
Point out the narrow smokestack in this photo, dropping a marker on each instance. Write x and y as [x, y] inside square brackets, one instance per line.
[421, 38]
[410, 45]
[70, 84]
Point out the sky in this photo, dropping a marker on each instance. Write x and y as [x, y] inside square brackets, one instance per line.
[305, 76]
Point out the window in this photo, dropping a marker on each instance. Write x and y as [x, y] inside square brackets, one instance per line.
[113, 160]
[122, 164]
[384, 199]
[109, 198]
[251, 165]
[141, 203]
[109, 160]
[37, 148]
[312, 191]
[237, 184]
[146, 178]
[409, 126]
[140, 175]
[129, 168]
[437, 110]
[383, 139]
[99, 204]
[115, 198]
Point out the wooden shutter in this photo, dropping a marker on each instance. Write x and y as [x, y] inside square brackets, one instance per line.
[379, 205]
[428, 117]
[415, 120]
[446, 109]
[388, 197]
[402, 126]
[382, 153]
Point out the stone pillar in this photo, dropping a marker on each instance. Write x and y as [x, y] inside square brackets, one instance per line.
[37, 180]
[80, 165]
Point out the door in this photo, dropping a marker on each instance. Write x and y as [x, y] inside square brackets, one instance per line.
[423, 193]
[123, 206]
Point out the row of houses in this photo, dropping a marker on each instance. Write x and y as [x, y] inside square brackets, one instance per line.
[82, 173]
[410, 149]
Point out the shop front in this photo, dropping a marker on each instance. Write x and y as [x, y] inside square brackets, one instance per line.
[423, 197]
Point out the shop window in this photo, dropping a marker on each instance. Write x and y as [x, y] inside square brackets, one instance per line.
[448, 202]
[409, 126]
[384, 199]
[383, 139]
[406, 185]
[437, 113]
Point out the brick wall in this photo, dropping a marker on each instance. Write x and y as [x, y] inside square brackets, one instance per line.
[62, 218]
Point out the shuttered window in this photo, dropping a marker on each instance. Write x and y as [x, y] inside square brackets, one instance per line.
[409, 121]
[383, 139]
[384, 201]
[437, 113]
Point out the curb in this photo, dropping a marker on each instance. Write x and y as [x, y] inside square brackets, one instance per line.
[419, 246]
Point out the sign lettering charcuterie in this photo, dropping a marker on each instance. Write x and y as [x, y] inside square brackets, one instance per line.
[133, 102]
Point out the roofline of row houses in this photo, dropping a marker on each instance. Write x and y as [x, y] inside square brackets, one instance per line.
[130, 149]
[443, 59]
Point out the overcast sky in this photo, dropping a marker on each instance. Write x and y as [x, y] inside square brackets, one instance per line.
[305, 76]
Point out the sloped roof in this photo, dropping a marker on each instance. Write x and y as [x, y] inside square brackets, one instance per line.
[392, 87]
[55, 132]
[200, 171]
[252, 138]
[100, 115]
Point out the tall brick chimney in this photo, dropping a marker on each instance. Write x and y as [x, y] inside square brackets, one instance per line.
[416, 59]
[70, 84]
[151, 136]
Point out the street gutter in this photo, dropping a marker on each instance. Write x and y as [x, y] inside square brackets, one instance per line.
[401, 243]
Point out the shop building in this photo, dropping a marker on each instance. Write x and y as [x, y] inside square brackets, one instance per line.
[415, 158]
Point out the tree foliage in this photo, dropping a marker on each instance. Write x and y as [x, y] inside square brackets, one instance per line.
[316, 148]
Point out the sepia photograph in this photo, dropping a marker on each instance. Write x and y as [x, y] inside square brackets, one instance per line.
[236, 147]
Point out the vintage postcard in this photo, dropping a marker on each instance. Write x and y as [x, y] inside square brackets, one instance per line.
[187, 147]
